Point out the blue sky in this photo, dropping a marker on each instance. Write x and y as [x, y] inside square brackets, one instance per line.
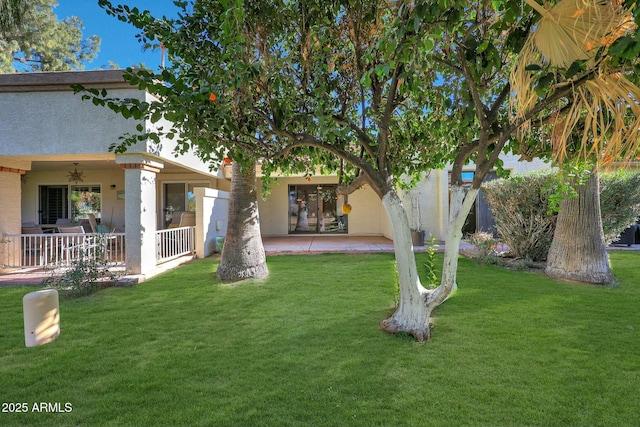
[118, 43]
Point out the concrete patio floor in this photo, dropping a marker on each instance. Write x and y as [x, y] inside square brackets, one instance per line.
[306, 244]
[285, 245]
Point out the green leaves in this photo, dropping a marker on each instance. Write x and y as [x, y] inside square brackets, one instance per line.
[353, 79]
[627, 47]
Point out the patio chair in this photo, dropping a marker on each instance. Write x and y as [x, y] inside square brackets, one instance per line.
[71, 229]
[93, 223]
[35, 229]
[74, 244]
[84, 223]
[182, 219]
[109, 242]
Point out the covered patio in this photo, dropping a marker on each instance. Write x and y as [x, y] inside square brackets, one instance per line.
[58, 166]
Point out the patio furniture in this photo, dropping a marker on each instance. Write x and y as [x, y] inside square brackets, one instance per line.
[35, 229]
[33, 242]
[182, 219]
[74, 242]
[93, 223]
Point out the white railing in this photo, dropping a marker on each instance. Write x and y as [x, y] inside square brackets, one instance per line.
[175, 242]
[54, 250]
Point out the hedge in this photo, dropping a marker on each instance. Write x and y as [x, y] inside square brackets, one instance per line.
[521, 209]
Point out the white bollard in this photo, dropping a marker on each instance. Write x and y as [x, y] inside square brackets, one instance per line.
[41, 317]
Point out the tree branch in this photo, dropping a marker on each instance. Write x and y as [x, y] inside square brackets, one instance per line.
[362, 135]
[493, 112]
[358, 182]
[385, 121]
[473, 89]
[448, 64]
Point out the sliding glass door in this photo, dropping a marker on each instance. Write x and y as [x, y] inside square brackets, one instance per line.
[316, 209]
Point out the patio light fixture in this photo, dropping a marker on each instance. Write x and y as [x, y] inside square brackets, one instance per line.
[75, 176]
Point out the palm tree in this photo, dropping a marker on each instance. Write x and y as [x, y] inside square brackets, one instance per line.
[604, 115]
[243, 253]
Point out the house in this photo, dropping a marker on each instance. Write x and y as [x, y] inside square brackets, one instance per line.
[55, 164]
[427, 205]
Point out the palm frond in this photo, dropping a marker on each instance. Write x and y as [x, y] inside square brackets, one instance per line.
[574, 30]
[606, 109]
[607, 112]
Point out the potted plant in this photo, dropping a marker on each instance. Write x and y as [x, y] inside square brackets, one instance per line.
[417, 237]
[417, 233]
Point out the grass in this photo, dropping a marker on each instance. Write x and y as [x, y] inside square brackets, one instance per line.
[303, 348]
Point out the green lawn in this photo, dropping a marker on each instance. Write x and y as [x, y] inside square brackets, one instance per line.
[303, 348]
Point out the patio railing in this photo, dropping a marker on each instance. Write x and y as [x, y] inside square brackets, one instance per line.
[175, 242]
[54, 250]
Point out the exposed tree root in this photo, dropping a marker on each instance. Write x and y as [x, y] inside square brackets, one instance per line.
[391, 326]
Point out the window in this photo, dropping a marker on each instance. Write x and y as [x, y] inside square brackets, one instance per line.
[68, 201]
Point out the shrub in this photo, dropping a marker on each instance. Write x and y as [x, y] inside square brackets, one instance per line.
[483, 241]
[486, 245]
[522, 210]
[84, 277]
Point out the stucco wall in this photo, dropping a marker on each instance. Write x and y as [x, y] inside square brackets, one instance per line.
[211, 219]
[59, 123]
[10, 220]
[426, 205]
[10, 197]
[368, 216]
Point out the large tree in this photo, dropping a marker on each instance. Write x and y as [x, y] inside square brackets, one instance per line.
[599, 122]
[302, 80]
[243, 253]
[35, 40]
[11, 14]
[391, 89]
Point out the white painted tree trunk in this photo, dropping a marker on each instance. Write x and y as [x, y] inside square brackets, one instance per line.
[412, 314]
[459, 207]
[416, 303]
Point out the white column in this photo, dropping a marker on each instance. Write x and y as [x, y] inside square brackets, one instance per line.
[10, 209]
[140, 214]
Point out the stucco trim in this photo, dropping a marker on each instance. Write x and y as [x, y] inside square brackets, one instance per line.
[12, 170]
[142, 166]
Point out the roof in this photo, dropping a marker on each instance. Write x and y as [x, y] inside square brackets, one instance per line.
[62, 80]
